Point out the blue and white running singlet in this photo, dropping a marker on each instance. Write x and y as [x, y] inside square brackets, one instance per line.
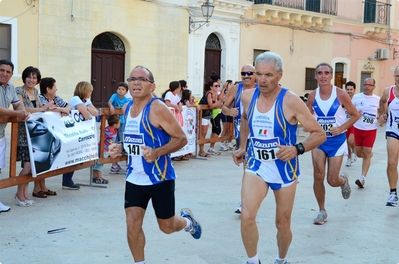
[329, 113]
[266, 131]
[140, 132]
[237, 104]
[392, 125]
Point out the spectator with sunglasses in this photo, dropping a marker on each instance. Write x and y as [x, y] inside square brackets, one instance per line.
[232, 104]
[215, 104]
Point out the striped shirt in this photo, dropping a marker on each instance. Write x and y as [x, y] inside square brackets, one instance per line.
[58, 101]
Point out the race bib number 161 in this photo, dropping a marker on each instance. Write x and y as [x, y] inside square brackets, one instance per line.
[265, 149]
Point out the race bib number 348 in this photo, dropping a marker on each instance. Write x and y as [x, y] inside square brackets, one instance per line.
[132, 144]
[265, 149]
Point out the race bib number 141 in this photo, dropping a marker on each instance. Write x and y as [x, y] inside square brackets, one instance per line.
[132, 144]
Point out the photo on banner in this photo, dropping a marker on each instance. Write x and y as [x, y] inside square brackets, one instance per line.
[57, 141]
[188, 123]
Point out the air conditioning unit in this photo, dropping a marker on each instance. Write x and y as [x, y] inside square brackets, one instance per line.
[382, 54]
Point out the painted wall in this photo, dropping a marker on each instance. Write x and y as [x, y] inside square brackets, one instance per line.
[357, 47]
[299, 50]
[24, 19]
[155, 36]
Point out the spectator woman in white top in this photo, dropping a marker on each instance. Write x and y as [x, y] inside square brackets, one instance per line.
[80, 101]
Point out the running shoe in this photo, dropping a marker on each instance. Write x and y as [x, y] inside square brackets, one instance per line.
[232, 146]
[120, 169]
[212, 151]
[346, 188]
[238, 210]
[321, 218]
[393, 199]
[348, 162]
[195, 227]
[4, 208]
[223, 147]
[281, 262]
[115, 170]
[360, 182]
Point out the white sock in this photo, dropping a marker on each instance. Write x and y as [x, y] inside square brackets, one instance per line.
[363, 177]
[188, 224]
[280, 260]
[253, 260]
[140, 262]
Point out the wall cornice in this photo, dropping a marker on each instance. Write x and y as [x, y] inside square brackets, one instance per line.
[292, 16]
[227, 8]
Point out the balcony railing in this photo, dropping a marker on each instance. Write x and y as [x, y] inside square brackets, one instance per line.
[376, 12]
[328, 7]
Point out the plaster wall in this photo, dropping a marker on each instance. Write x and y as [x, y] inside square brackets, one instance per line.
[154, 35]
[299, 50]
[23, 19]
[356, 48]
[228, 34]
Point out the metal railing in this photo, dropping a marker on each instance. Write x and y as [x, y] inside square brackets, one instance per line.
[328, 7]
[376, 12]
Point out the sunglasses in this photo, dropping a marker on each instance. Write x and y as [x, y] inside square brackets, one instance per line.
[249, 73]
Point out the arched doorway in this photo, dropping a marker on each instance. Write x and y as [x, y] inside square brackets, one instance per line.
[107, 67]
[213, 52]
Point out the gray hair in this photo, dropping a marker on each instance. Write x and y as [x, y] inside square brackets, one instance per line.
[150, 75]
[267, 57]
[323, 64]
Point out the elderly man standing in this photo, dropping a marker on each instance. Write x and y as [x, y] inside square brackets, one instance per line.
[389, 115]
[8, 97]
[270, 118]
[233, 106]
[151, 134]
[328, 104]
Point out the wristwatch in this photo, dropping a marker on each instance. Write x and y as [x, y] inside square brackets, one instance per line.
[299, 148]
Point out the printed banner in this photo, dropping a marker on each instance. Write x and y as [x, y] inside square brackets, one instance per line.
[188, 123]
[56, 142]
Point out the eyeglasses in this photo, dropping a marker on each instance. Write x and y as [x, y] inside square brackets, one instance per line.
[249, 73]
[366, 84]
[140, 79]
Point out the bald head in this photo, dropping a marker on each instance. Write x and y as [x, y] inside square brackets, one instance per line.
[248, 67]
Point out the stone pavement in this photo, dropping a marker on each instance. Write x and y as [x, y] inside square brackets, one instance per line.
[359, 230]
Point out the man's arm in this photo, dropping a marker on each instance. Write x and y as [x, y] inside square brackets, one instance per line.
[382, 110]
[161, 117]
[310, 102]
[239, 154]
[346, 101]
[295, 110]
[228, 103]
[18, 112]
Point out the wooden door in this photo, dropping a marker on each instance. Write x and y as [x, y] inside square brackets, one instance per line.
[212, 63]
[339, 80]
[107, 70]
